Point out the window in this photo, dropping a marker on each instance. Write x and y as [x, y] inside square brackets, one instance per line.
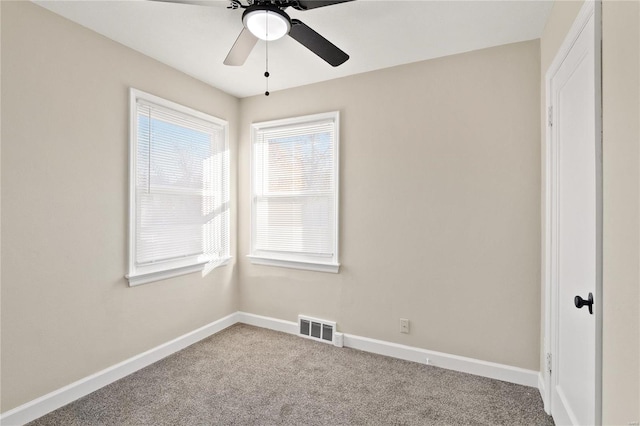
[179, 190]
[294, 186]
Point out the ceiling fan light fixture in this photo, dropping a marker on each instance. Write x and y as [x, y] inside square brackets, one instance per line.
[266, 23]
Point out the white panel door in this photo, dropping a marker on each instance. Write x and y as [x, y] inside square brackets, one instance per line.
[575, 232]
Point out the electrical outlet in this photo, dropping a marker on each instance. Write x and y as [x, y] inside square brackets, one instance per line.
[404, 325]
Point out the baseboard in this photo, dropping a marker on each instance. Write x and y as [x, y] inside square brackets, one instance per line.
[63, 396]
[543, 393]
[289, 327]
[477, 367]
[491, 370]
[541, 385]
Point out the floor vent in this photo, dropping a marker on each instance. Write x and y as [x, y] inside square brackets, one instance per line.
[317, 329]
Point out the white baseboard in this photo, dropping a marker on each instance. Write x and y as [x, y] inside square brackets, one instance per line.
[63, 396]
[289, 327]
[477, 367]
[58, 398]
[491, 370]
[543, 393]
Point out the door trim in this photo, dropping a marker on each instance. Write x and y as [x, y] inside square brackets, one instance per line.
[589, 8]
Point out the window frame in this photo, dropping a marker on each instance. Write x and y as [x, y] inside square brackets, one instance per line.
[143, 274]
[300, 261]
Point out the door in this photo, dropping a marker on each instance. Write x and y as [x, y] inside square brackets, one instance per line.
[575, 225]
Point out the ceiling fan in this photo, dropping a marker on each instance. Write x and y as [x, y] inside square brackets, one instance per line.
[267, 20]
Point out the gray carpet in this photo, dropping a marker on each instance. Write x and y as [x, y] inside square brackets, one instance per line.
[251, 376]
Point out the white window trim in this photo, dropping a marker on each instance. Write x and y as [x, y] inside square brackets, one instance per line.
[294, 264]
[258, 257]
[162, 270]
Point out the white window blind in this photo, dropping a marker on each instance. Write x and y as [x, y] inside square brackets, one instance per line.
[180, 197]
[295, 188]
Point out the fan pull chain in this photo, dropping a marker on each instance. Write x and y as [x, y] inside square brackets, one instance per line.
[266, 61]
[266, 72]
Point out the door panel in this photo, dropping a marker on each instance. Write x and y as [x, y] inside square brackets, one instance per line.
[574, 232]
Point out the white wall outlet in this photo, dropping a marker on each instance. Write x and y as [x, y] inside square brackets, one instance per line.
[404, 325]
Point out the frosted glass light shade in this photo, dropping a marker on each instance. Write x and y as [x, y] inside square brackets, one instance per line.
[266, 24]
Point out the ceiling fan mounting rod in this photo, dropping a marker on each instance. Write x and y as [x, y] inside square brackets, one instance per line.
[282, 4]
[235, 4]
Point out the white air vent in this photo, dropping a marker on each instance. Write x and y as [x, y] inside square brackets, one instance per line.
[317, 329]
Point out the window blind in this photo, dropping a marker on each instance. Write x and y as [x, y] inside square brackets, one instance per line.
[181, 195]
[294, 191]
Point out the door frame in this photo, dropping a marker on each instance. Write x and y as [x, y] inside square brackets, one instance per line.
[589, 8]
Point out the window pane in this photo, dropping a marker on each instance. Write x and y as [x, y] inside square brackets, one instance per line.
[300, 164]
[294, 189]
[181, 188]
[295, 224]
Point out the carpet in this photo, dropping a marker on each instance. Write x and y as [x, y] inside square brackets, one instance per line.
[247, 375]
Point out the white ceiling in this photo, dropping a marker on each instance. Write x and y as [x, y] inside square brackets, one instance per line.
[376, 34]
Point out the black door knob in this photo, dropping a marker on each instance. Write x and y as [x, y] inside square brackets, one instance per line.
[580, 302]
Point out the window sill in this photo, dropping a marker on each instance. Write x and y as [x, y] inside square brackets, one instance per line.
[294, 264]
[145, 278]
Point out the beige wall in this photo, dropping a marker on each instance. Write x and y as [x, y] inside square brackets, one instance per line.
[67, 311]
[440, 207]
[621, 167]
[621, 254]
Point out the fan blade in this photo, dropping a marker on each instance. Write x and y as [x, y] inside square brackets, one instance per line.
[241, 48]
[312, 4]
[316, 43]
